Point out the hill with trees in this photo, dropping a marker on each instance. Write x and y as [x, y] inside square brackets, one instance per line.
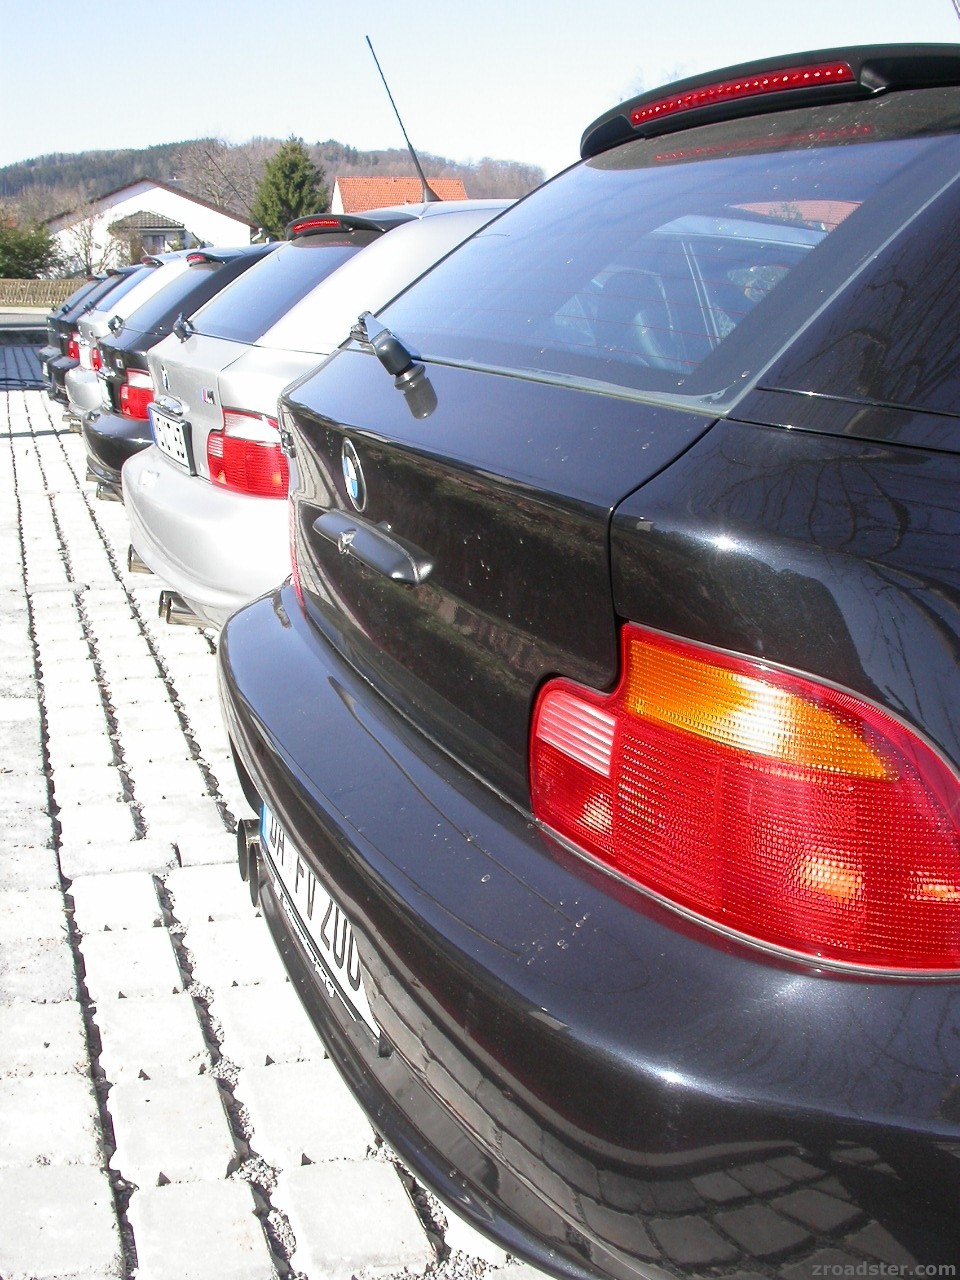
[226, 174]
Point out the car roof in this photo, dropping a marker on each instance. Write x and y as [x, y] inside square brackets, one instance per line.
[322, 318]
[437, 208]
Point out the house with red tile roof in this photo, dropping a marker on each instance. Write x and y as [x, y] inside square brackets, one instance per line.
[355, 195]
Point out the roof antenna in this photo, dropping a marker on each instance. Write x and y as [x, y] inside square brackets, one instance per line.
[428, 193]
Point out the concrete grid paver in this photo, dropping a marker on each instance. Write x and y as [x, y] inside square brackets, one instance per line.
[263, 1024]
[124, 964]
[42, 1039]
[200, 1046]
[287, 1133]
[337, 1235]
[171, 1129]
[183, 1228]
[151, 1038]
[48, 1119]
[43, 1240]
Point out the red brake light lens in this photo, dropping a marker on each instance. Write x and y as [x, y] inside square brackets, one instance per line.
[790, 812]
[709, 95]
[246, 456]
[302, 225]
[135, 394]
[96, 359]
[73, 346]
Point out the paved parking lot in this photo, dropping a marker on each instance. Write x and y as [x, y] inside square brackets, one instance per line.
[165, 1107]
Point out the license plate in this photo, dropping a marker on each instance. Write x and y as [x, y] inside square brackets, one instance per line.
[172, 437]
[319, 921]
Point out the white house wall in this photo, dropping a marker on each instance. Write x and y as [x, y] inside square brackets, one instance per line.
[205, 225]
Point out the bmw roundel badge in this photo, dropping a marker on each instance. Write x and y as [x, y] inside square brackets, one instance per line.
[353, 476]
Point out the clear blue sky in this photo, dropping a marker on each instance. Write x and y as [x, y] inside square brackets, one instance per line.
[512, 79]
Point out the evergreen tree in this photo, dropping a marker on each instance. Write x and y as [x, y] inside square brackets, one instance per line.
[25, 252]
[291, 186]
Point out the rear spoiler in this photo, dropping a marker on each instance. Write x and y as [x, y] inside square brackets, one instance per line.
[774, 84]
[317, 223]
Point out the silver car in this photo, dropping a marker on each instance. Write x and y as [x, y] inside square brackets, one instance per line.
[82, 384]
[205, 502]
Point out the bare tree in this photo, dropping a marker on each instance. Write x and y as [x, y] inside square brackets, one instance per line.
[87, 247]
[501, 178]
[226, 176]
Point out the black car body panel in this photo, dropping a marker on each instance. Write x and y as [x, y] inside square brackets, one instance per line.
[684, 398]
[110, 439]
[830, 555]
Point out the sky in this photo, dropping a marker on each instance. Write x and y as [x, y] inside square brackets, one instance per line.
[509, 79]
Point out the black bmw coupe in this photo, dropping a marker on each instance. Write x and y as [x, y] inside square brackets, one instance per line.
[607, 736]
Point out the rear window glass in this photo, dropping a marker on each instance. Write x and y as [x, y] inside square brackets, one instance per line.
[891, 338]
[248, 307]
[156, 309]
[114, 287]
[85, 291]
[680, 266]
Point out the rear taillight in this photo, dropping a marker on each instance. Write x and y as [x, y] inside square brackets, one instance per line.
[788, 811]
[96, 360]
[246, 455]
[135, 394]
[73, 346]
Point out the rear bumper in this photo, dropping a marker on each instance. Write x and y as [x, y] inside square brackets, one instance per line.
[110, 440]
[57, 370]
[216, 548]
[602, 1086]
[83, 390]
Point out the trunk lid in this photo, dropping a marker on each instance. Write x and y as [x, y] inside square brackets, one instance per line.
[185, 382]
[254, 380]
[478, 564]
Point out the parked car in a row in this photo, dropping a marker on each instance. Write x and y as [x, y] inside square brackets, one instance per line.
[62, 350]
[52, 348]
[606, 738]
[207, 502]
[82, 383]
[120, 425]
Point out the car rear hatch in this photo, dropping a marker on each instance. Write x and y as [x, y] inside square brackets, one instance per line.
[452, 522]
[478, 562]
[185, 370]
